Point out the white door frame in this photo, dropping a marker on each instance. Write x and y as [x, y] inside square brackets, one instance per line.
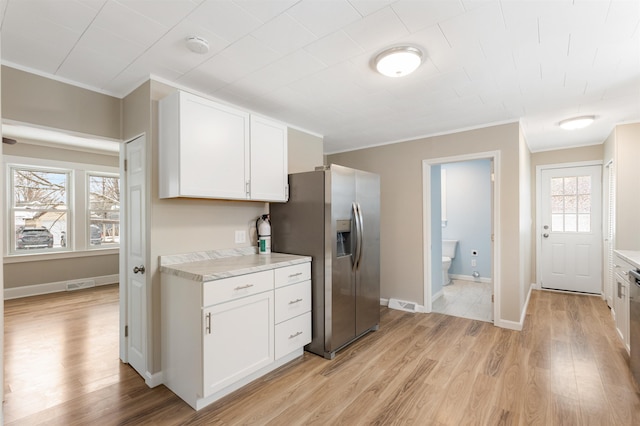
[124, 255]
[426, 223]
[539, 170]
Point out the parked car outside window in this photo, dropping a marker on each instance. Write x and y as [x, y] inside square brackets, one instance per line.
[96, 235]
[30, 238]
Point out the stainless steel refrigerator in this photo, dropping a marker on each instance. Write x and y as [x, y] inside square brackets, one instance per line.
[333, 215]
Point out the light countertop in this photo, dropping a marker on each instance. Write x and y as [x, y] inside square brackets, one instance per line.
[215, 265]
[631, 256]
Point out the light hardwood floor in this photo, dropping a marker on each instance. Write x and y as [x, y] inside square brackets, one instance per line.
[566, 367]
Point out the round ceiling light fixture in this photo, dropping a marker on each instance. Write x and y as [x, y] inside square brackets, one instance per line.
[577, 122]
[398, 61]
[197, 44]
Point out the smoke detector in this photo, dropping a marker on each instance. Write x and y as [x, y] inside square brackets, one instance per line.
[197, 44]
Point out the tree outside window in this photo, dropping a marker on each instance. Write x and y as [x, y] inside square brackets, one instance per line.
[104, 210]
[39, 208]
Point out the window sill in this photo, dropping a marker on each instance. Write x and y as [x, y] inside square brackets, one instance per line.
[36, 257]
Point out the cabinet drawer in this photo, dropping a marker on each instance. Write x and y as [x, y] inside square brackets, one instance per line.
[292, 301]
[226, 289]
[292, 334]
[622, 267]
[292, 274]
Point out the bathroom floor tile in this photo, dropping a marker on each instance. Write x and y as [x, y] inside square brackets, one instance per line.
[466, 299]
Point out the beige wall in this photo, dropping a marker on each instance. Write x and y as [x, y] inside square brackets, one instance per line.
[559, 156]
[56, 270]
[184, 225]
[400, 168]
[623, 146]
[26, 149]
[305, 151]
[32, 99]
[31, 272]
[526, 222]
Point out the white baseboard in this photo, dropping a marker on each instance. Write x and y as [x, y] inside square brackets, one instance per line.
[153, 380]
[470, 278]
[384, 302]
[517, 325]
[55, 287]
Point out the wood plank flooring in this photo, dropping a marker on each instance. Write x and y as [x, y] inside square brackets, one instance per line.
[566, 367]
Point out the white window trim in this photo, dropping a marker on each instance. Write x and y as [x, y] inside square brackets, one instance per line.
[78, 206]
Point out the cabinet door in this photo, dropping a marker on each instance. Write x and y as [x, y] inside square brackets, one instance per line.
[237, 340]
[214, 148]
[268, 160]
[620, 308]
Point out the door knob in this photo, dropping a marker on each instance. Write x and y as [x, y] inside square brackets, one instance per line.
[138, 269]
[544, 235]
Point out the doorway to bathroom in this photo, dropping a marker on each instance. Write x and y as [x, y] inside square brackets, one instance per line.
[460, 198]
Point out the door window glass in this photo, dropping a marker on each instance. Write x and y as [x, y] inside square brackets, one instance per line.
[571, 204]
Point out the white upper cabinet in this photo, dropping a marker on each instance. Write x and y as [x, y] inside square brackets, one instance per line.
[210, 150]
[268, 160]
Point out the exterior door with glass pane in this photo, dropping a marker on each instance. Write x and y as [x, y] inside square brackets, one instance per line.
[570, 238]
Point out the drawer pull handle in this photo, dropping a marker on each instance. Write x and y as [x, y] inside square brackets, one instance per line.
[243, 287]
[295, 275]
[208, 326]
[295, 301]
[295, 335]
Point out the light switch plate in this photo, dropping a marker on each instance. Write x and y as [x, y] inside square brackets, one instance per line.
[241, 237]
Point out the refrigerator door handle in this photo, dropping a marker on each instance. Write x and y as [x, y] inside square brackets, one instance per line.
[360, 235]
[356, 218]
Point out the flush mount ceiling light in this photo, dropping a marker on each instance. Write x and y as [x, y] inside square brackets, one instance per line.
[398, 61]
[197, 44]
[577, 122]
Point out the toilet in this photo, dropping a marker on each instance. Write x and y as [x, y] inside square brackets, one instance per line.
[448, 253]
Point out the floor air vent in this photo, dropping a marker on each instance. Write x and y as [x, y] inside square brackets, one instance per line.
[77, 285]
[402, 305]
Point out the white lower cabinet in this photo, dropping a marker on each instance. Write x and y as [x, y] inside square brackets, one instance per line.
[292, 334]
[219, 335]
[621, 299]
[237, 341]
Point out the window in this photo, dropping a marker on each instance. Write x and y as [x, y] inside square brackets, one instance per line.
[39, 207]
[104, 209]
[59, 207]
[571, 204]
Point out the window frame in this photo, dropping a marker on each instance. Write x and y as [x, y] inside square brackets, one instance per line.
[78, 233]
[12, 209]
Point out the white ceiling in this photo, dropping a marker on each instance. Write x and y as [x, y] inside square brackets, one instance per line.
[308, 62]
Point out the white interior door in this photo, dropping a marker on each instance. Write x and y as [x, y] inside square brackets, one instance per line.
[571, 227]
[135, 246]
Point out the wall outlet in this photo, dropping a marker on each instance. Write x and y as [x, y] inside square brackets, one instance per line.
[474, 253]
[474, 262]
[241, 237]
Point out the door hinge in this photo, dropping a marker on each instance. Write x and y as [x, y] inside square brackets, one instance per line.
[493, 237]
[125, 165]
[126, 331]
[492, 299]
[286, 192]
